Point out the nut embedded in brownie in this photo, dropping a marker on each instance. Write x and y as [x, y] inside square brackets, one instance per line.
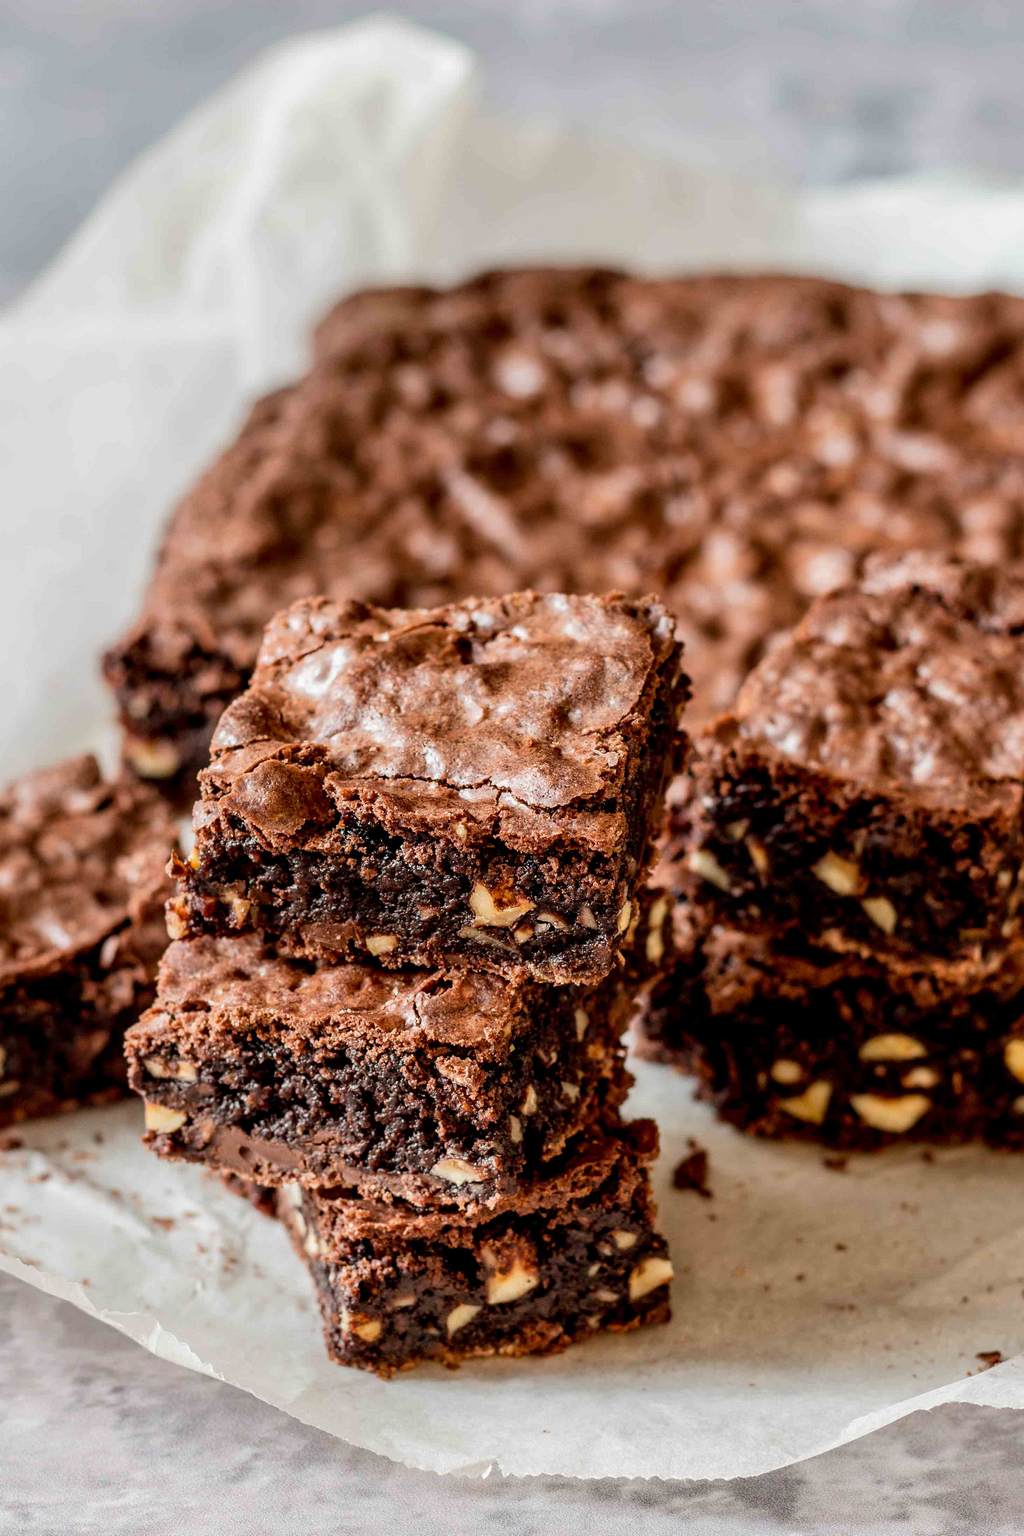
[476, 785]
[441, 1089]
[575, 1255]
[741, 437]
[787, 1041]
[82, 888]
[866, 791]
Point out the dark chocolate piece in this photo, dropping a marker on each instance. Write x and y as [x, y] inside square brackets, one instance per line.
[82, 888]
[478, 785]
[866, 792]
[735, 444]
[578, 1254]
[445, 1089]
[790, 1041]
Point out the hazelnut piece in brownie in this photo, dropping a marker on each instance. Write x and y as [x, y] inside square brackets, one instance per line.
[575, 1255]
[866, 791]
[789, 1041]
[82, 888]
[474, 785]
[447, 1089]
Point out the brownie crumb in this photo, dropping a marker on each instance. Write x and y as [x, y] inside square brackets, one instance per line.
[988, 1358]
[692, 1171]
[835, 1164]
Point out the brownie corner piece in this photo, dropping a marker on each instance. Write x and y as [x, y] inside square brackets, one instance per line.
[82, 887]
[475, 785]
[577, 1256]
[865, 793]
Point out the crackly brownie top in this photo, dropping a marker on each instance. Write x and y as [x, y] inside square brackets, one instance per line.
[912, 680]
[736, 444]
[602, 1165]
[217, 989]
[529, 702]
[79, 858]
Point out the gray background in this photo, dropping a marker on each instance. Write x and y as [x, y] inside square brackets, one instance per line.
[97, 1436]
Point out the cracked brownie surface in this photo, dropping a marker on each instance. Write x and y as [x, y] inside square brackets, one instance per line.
[736, 444]
[479, 784]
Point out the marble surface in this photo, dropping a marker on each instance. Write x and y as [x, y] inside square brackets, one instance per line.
[98, 1436]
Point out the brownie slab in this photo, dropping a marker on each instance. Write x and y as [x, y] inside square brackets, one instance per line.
[866, 791]
[476, 785]
[578, 1255]
[453, 1089]
[82, 888]
[789, 1041]
[748, 437]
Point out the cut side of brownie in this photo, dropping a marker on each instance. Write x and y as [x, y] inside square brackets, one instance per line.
[82, 889]
[443, 1089]
[473, 786]
[576, 1255]
[866, 792]
[787, 1041]
[736, 444]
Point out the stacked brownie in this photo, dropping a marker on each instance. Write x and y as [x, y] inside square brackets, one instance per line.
[407, 943]
[852, 962]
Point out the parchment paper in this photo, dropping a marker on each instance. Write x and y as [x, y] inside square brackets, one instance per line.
[812, 1304]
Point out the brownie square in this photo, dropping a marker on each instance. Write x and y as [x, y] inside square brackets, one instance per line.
[865, 793]
[789, 1041]
[473, 786]
[445, 1089]
[577, 1255]
[82, 888]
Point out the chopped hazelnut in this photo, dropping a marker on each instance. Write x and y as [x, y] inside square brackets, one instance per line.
[152, 759]
[647, 1276]
[510, 1284]
[703, 863]
[159, 1118]
[881, 912]
[1013, 1055]
[183, 1071]
[890, 1114]
[488, 914]
[758, 855]
[891, 1047]
[366, 1328]
[459, 1316]
[839, 874]
[811, 1105]
[786, 1071]
[381, 943]
[457, 1171]
[655, 947]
